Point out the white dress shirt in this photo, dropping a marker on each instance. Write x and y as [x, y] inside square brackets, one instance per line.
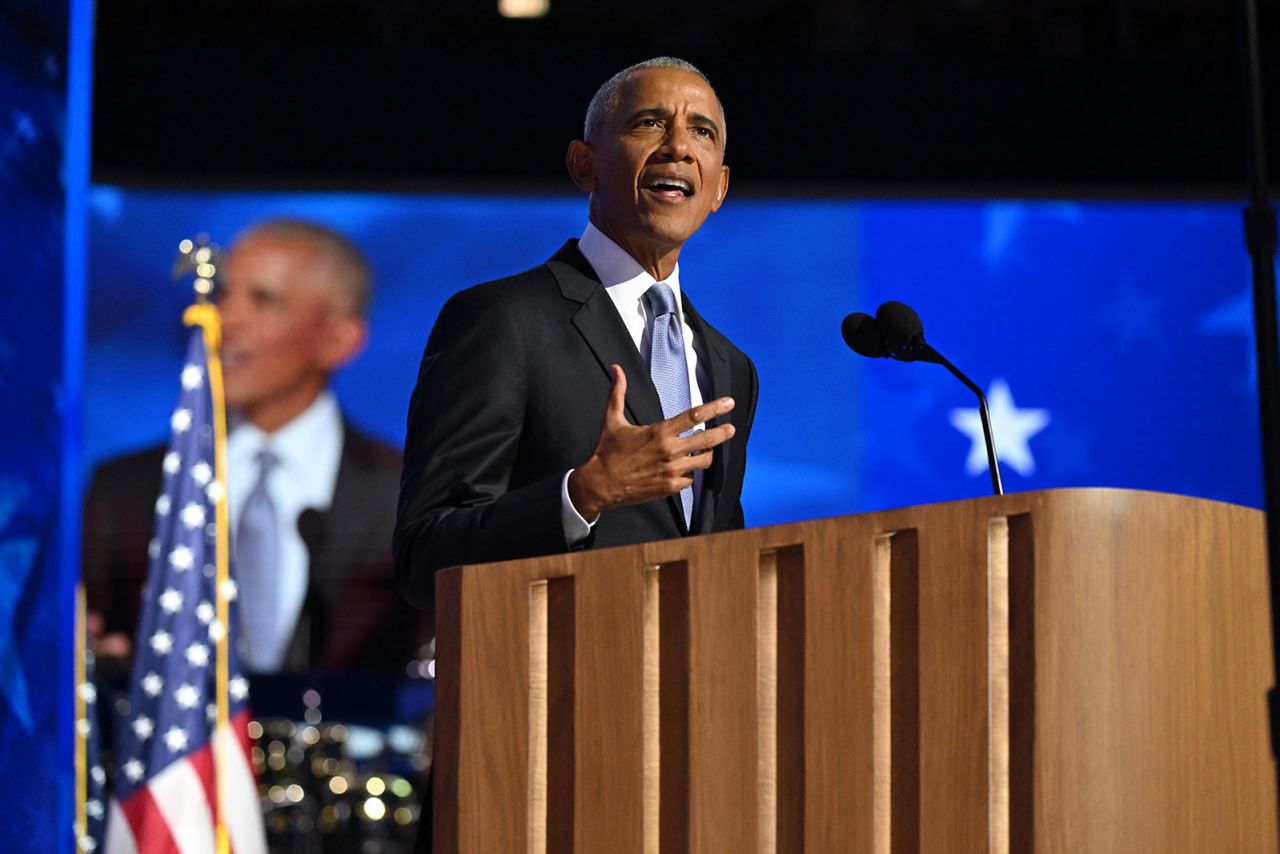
[626, 283]
[309, 449]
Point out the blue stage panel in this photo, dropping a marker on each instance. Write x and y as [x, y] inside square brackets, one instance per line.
[1115, 338]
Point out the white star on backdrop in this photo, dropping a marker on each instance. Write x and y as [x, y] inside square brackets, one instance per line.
[162, 505]
[1235, 317]
[205, 612]
[142, 727]
[1012, 428]
[133, 769]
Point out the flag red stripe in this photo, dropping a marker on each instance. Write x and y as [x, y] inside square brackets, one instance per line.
[240, 726]
[150, 830]
[203, 764]
[201, 761]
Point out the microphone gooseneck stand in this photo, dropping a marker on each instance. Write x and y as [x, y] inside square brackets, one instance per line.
[1260, 236]
[993, 464]
[896, 332]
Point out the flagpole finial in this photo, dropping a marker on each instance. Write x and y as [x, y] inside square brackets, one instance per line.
[198, 257]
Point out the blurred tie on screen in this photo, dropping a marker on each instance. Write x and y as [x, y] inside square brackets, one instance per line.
[186, 782]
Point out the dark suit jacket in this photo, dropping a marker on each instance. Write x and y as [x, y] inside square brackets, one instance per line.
[511, 395]
[352, 618]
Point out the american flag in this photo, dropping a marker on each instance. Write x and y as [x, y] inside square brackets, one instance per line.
[182, 775]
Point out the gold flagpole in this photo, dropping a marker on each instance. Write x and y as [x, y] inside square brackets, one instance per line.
[201, 258]
[82, 721]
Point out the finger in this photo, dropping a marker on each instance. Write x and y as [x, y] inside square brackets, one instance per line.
[701, 414]
[704, 440]
[617, 396]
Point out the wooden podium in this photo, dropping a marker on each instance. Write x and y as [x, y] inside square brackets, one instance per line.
[1076, 671]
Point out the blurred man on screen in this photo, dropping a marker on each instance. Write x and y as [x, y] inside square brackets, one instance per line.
[311, 497]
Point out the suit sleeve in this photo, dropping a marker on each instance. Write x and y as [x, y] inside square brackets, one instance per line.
[457, 504]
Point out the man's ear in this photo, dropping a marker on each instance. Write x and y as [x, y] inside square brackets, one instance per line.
[722, 189]
[347, 334]
[580, 161]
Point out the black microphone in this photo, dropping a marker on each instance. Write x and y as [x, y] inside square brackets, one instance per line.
[313, 527]
[897, 332]
[862, 333]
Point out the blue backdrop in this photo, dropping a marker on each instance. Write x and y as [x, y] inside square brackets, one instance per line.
[1113, 338]
[44, 90]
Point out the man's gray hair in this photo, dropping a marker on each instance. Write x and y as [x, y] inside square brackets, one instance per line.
[605, 102]
[350, 270]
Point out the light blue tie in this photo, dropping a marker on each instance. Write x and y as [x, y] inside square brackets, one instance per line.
[258, 570]
[668, 367]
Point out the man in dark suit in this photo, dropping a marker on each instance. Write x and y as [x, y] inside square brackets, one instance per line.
[564, 407]
[292, 297]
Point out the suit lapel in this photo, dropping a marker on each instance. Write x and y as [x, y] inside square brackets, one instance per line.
[717, 363]
[330, 560]
[598, 323]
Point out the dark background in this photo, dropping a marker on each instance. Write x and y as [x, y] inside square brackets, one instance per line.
[881, 97]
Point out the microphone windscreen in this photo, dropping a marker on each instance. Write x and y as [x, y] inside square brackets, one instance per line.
[900, 325]
[312, 524]
[862, 333]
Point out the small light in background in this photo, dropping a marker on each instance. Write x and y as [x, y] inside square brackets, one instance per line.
[523, 8]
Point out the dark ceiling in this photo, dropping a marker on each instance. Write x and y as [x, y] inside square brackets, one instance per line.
[874, 96]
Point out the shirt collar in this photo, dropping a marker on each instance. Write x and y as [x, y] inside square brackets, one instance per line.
[622, 275]
[297, 443]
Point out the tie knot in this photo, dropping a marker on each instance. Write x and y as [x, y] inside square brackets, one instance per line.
[267, 460]
[662, 300]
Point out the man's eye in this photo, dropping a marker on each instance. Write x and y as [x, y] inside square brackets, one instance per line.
[704, 132]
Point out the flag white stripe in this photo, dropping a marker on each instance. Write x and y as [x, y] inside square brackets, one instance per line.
[180, 797]
[119, 835]
[240, 790]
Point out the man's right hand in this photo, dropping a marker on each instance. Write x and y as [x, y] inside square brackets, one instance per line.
[631, 464]
[103, 643]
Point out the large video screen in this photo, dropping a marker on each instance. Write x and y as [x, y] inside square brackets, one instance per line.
[1114, 339]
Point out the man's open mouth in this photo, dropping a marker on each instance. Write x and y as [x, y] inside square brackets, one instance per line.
[670, 186]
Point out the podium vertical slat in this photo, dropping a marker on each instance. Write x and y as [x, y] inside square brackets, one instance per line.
[837, 681]
[790, 567]
[953, 681]
[723, 761]
[491, 669]
[609, 767]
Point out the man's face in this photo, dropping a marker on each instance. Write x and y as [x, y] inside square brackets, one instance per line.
[657, 169]
[283, 328]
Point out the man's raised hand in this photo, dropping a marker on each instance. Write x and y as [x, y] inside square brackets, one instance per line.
[631, 464]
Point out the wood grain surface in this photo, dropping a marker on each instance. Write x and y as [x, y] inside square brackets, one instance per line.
[1066, 671]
